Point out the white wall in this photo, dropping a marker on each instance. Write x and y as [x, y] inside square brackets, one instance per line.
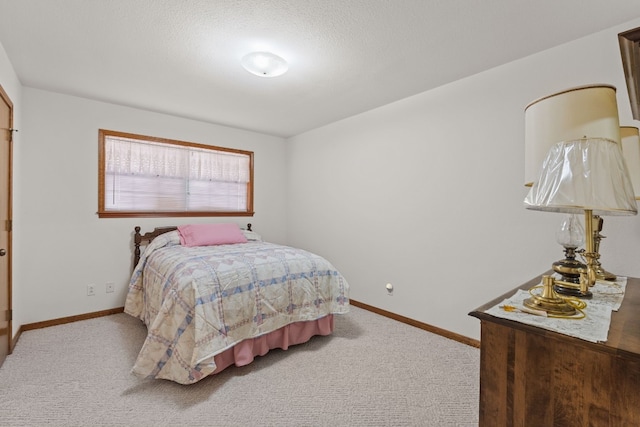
[66, 246]
[426, 193]
[11, 85]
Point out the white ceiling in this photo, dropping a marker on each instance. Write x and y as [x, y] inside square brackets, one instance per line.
[182, 57]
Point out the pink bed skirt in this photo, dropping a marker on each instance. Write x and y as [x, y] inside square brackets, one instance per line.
[296, 333]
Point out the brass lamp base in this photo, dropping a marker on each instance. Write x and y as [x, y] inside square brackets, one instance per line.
[549, 301]
[602, 274]
[570, 289]
[569, 269]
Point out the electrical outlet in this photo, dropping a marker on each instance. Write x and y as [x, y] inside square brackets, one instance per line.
[110, 287]
[91, 290]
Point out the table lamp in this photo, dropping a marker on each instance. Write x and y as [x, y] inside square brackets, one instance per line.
[584, 111]
[630, 138]
[587, 175]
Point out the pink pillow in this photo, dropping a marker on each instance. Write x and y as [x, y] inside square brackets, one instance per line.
[210, 234]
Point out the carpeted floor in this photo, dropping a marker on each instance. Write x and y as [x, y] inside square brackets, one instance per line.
[372, 371]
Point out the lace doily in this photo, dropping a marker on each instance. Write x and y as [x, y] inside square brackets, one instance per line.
[594, 327]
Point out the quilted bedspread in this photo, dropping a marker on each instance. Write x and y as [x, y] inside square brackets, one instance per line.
[200, 301]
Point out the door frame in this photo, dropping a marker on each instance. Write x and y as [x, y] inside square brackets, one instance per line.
[7, 100]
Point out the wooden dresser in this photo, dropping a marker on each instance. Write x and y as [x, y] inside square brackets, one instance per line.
[534, 377]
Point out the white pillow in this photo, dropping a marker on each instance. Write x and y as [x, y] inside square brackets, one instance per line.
[252, 236]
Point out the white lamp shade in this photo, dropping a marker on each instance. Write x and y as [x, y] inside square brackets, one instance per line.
[583, 174]
[630, 138]
[580, 112]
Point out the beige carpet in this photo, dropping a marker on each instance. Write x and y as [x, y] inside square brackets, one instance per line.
[372, 371]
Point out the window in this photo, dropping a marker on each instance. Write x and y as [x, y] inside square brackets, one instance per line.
[143, 176]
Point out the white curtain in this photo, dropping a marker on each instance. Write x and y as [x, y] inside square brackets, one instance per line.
[130, 157]
[228, 167]
[142, 175]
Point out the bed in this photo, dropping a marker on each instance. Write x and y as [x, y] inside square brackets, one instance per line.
[209, 306]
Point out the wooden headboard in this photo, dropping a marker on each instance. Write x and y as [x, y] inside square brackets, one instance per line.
[146, 238]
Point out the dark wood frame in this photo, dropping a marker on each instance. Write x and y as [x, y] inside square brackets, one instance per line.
[146, 238]
[102, 213]
[630, 52]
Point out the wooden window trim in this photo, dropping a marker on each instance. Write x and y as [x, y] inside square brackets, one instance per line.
[103, 213]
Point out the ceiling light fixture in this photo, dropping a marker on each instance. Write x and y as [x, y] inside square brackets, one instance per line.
[264, 64]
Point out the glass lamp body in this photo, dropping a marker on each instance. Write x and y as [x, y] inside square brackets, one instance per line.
[570, 235]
